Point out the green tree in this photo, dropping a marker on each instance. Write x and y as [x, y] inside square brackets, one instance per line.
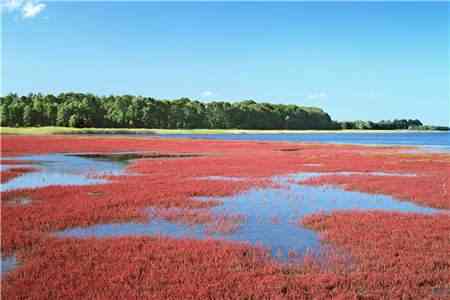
[88, 110]
[28, 116]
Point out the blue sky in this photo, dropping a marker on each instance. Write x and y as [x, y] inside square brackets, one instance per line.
[368, 61]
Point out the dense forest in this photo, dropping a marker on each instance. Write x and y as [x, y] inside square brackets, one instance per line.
[88, 110]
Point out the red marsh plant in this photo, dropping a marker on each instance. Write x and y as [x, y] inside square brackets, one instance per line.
[392, 260]
[9, 174]
[401, 256]
[429, 190]
[395, 255]
[213, 222]
[162, 268]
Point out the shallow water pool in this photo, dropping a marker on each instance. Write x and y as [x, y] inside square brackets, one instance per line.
[8, 263]
[272, 215]
[62, 169]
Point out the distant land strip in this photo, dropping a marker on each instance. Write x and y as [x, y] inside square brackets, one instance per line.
[88, 113]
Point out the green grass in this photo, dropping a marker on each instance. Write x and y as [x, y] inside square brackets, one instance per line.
[67, 130]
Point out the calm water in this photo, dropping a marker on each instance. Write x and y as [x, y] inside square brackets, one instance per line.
[272, 215]
[439, 141]
[8, 263]
[60, 169]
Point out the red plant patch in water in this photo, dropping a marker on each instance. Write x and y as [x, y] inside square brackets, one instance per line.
[162, 268]
[428, 190]
[131, 268]
[213, 222]
[9, 174]
[401, 256]
[14, 162]
[225, 224]
[184, 216]
[392, 260]
[126, 199]
[153, 183]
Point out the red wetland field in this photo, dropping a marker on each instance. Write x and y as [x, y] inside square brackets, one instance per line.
[370, 254]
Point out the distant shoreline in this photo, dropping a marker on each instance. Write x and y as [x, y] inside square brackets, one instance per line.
[145, 131]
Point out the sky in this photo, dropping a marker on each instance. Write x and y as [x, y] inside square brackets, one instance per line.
[355, 60]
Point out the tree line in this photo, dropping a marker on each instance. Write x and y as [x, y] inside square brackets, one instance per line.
[84, 110]
[383, 125]
[87, 110]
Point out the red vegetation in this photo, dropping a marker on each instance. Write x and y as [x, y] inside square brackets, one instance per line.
[165, 268]
[160, 268]
[214, 223]
[404, 256]
[401, 256]
[9, 174]
[14, 162]
[426, 190]
[124, 199]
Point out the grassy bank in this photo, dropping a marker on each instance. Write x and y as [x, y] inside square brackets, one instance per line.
[68, 130]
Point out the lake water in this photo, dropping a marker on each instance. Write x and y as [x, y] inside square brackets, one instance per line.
[438, 141]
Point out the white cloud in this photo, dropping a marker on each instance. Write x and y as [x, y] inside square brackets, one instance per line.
[317, 96]
[31, 9]
[11, 5]
[207, 94]
[27, 8]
